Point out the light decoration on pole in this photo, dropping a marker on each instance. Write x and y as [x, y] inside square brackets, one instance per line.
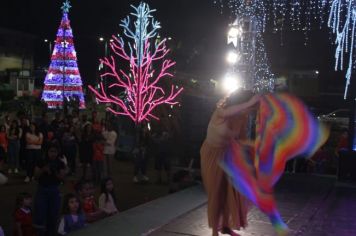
[246, 36]
[340, 16]
[63, 80]
[231, 83]
[142, 85]
[232, 57]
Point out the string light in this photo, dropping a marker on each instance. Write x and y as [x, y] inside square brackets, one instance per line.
[142, 92]
[301, 16]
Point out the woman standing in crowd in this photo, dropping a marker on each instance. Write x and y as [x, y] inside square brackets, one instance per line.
[51, 172]
[69, 146]
[14, 137]
[86, 148]
[34, 141]
[110, 148]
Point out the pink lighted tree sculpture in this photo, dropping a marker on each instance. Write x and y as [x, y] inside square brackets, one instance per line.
[141, 86]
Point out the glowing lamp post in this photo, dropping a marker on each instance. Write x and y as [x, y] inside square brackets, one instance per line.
[231, 83]
[232, 57]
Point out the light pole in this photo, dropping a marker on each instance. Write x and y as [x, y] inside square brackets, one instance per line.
[241, 38]
[49, 46]
[106, 52]
[232, 81]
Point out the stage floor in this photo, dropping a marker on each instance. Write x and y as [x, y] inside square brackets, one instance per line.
[311, 206]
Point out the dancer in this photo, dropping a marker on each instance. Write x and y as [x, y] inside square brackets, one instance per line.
[285, 129]
[227, 208]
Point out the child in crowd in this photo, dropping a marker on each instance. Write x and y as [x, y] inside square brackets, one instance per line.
[23, 216]
[73, 217]
[107, 199]
[91, 211]
[98, 157]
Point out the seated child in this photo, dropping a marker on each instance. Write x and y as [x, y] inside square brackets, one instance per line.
[23, 216]
[91, 211]
[73, 217]
[107, 199]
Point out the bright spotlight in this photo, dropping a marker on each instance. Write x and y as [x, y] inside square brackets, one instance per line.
[231, 83]
[234, 32]
[101, 39]
[232, 57]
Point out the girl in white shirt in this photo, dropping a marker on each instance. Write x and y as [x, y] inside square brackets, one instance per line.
[107, 199]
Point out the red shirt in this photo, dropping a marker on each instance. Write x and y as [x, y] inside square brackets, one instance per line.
[24, 217]
[89, 205]
[3, 140]
[97, 127]
[98, 151]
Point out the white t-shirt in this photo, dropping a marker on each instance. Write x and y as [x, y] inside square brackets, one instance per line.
[107, 206]
[31, 139]
[110, 137]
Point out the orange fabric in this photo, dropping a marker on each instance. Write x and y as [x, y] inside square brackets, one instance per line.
[226, 207]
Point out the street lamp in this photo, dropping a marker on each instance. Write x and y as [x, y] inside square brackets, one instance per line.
[102, 39]
[49, 46]
[231, 83]
[232, 57]
[235, 31]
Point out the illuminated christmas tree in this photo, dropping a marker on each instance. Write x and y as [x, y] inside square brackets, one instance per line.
[139, 89]
[63, 81]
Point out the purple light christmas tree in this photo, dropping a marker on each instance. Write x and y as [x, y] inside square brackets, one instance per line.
[63, 81]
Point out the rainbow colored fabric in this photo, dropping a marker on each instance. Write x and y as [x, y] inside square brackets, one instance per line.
[285, 129]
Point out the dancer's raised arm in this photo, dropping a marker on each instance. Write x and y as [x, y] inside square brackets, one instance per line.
[236, 109]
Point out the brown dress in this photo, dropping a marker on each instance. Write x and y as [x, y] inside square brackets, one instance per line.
[226, 207]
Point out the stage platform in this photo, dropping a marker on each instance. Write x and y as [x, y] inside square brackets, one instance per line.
[311, 206]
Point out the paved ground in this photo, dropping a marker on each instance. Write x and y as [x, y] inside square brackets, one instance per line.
[311, 206]
[128, 194]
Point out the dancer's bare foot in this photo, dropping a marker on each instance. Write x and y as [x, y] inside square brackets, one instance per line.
[226, 230]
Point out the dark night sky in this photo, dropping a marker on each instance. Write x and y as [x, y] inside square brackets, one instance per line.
[197, 24]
